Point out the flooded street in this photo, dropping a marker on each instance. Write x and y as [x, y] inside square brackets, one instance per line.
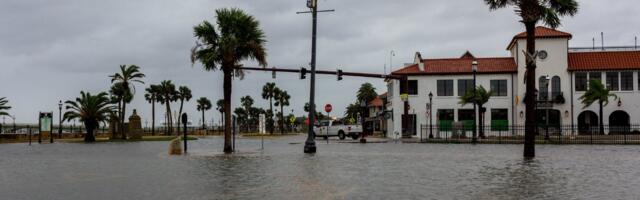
[143, 170]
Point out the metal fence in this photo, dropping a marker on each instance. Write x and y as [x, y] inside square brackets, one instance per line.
[558, 134]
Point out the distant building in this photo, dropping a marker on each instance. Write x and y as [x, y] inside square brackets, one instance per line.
[563, 74]
[376, 122]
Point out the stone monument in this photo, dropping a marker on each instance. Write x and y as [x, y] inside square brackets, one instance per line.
[134, 130]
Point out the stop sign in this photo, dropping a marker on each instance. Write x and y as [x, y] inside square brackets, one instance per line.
[328, 108]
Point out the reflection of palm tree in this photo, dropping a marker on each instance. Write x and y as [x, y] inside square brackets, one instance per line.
[203, 105]
[151, 97]
[238, 37]
[126, 77]
[166, 95]
[282, 100]
[531, 12]
[90, 110]
[481, 97]
[184, 94]
[597, 93]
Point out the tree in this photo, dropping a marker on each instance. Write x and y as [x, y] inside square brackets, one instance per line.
[183, 94]
[4, 107]
[319, 115]
[238, 37]
[203, 105]
[351, 112]
[282, 100]
[120, 95]
[166, 94]
[597, 92]
[151, 97]
[481, 97]
[220, 108]
[366, 92]
[127, 76]
[531, 12]
[90, 110]
[247, 103]
[269, 92]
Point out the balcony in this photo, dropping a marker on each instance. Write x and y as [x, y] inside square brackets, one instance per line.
[554, 97]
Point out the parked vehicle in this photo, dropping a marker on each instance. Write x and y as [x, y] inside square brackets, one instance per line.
[333, 128]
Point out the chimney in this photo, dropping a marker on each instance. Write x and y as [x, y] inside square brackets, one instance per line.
[421, 66]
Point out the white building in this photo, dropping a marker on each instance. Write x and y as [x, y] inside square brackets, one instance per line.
[563, 74]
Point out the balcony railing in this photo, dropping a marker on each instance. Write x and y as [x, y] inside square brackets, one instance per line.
[556, 97]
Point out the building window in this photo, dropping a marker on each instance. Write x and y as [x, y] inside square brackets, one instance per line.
[613, 82]
[555, 86]
[499, 119]
[445, 119]
[626, 81]
[543, 88]
[595, 76]
[467, 117]
[464, 85]
[445, 87]
[581, 81]
[413, 87]
[499, 87]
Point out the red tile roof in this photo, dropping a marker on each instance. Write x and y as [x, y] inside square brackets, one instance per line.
[611, 60]
[540, 32]
[377, 102]
[461, 66]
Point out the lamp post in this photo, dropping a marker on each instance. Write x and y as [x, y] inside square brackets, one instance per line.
[546, 86]
[430, 115]
[363, 104]
[60, 118]
[474, 68]
[391, 55]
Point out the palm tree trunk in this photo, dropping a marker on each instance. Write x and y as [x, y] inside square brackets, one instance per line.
[271, 116]
[281, 119]
[481, 120]
[153, 116]
[124, 109]
[227, 108]
[180, 113]
[530, 119]
[89, 137]
[203, 121]
[169, 120]
[601, 119]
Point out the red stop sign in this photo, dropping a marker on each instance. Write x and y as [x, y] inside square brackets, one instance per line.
[328, 108]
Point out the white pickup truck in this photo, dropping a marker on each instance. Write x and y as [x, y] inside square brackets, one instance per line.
[332, 128]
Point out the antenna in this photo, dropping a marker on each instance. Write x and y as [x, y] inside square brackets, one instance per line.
[593, 40]
[602, 39]
[635, 46]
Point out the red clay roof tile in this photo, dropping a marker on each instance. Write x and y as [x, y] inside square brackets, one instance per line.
[612, 60]
[461, 66]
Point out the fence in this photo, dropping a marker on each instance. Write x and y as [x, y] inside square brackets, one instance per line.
[558, 134]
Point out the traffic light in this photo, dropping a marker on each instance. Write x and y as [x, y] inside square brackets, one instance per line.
[273, 73]
[303, 73]
[339, 75]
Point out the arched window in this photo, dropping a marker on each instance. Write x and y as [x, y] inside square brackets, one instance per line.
[543, 88]
[555, 86]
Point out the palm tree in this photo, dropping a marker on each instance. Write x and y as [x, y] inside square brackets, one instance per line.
[90, 110]
[269, 92]
[203, 105]
[352, 110]
[4, 107]
[238, 37]
[247, 103]
[166, 95]
[220, 108]
[481, 97]
[282, 100]
[151, 97]
[597, 92]
[127, 76]
[366, 93]
[531, 12]
[121, 95]
[184, 94]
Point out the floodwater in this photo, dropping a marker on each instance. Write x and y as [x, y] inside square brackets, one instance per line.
[143, 170]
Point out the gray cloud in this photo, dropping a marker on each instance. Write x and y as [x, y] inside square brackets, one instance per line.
[50, 50]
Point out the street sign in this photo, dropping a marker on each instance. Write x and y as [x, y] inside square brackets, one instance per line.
[292, 119]
[328, 108]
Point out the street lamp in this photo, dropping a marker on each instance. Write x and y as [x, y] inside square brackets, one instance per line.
[60, 118]
[363, 104]
[391, 55]
[430, 116]
[546, 96]
[474, 68]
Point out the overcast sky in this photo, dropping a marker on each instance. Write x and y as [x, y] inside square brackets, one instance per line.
[51, 50]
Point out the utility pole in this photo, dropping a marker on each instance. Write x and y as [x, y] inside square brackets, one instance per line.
[310, 144]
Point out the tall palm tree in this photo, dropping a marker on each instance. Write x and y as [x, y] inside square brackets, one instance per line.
[597, 92]
[238, 37]
[166, 95]
[481, 97]
[203, 105]
[184, 94]
[247, 103]
[120, 95]
[282, 100]
[151, 97]
[366, 93]
[268, 93]
[4, 107]
[220, 108]
[127, 76]
[351, 111]
[90, 110]
[531, 12]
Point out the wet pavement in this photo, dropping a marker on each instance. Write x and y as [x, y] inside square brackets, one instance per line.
[143, 170]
